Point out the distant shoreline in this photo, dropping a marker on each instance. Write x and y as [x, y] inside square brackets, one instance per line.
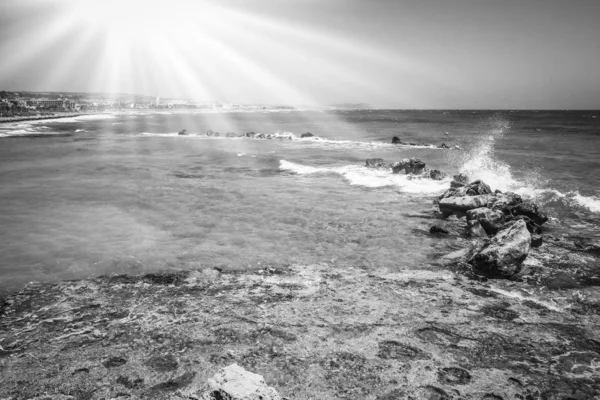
[39, 117]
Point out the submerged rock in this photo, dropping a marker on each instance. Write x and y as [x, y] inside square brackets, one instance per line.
[306, 134]
[376, 163]
[182, 132]
[235, 383]
[502, 256]
[412, 166]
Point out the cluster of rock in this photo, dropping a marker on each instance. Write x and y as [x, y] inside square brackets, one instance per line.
[508, 225]
[407, 166]
[397, 140]
[253, 135]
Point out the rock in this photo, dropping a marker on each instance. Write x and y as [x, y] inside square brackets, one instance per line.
[531, 211]
[250, 134]
[306, 134]
[212, 133]
[461, 178]
[487, 219]
[536, 240]
[444, 146]
[396, 140]
[438, 229]
[532, 227]
[436, 175]
[506, 200]
[484, 213]
[376, 163]
[235, 383]
[412, 166]
[478, 187]
[182, 132]
[460, 205]
[501, 257]
[476, 230]
[230, 134]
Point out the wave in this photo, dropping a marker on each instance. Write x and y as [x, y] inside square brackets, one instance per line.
[26, 129]
[372, 178]
[481, 163]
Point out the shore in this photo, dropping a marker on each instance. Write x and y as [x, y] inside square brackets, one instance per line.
[40, 117]
[313, 331]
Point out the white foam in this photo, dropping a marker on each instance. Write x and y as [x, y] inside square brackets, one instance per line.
[372, 178]
[80, 130]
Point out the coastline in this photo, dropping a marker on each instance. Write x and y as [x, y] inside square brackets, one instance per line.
[313, 331]
[41, 117]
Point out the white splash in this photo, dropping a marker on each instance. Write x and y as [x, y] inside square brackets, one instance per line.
[372, 178]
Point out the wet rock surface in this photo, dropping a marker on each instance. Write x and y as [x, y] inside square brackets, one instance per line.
[322, 331]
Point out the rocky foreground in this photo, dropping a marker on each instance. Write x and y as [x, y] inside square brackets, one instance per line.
[483, 322]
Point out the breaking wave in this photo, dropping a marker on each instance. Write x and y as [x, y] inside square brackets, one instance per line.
[372, 178]
[480, 162]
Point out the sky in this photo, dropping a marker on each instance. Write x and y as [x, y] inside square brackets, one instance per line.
[493, 54]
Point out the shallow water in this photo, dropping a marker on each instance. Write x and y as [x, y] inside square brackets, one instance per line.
[125, 194]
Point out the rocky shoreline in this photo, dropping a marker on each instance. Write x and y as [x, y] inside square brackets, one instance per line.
[513, 313]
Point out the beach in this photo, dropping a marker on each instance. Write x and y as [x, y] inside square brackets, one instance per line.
[161, 257]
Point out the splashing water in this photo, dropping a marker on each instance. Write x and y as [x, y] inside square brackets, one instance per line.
[480, 162]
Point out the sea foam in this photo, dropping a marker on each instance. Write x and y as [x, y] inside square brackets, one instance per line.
[372, 178]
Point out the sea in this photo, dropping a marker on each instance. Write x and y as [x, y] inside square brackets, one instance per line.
[123, 193]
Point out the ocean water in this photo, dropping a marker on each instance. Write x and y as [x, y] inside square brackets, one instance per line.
[124, 193]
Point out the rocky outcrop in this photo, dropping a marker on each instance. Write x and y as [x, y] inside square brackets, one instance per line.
[513, 225]
[182, 132]
[412, 166]
[235, 383]
[306, 135]
[502, 256]
[377, 163]
[460, 205]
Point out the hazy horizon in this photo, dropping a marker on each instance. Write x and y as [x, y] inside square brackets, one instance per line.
[456, 54]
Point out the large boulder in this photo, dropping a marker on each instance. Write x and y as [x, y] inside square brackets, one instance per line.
[396, 140]
[250, 134]
[235, 383]
[182, 132]
[484, 213]
[502, 256]
[506, 200]
[306, 134]
[460, 205]
[412, 166]
[376, 163]
[529, 210]
[488, 219]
